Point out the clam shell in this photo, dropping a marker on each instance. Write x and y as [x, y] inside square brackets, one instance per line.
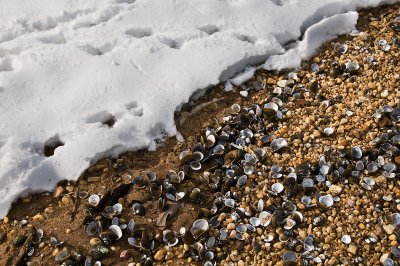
[346, 239]
[277, 188]
[265, 218]
[92, 228]
[94, 200]
[199, 227]
[116, 230]
[289, 223]
[278, 144]
[326, 201]
[289, 256]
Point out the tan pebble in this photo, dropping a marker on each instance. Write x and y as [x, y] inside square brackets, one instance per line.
[392, 237]
[6, 220]
[231, 226]
[48, 210]
[95, 241]
[278, 245]
[384, 257]
[38, 218]
[335, 190]
[68, 231]
[352, 249]
[66, 200]
[42, 244]
[160, 254]
[59, 190]
[55, 252]
[361, 226]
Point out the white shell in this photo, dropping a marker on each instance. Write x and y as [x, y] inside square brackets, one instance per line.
[277, 188]
[326, 200]
[116, 230]
[346, 239]
[265, 218]
[94, 199]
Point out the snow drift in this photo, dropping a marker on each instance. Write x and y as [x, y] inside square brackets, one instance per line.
[100, 77]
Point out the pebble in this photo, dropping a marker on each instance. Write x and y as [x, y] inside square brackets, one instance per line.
[159, 255]
[38, 218]
[352, 249]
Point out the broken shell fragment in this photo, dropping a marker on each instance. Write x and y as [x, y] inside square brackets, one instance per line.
[265, 218]
[94, 200]
[326, 201]
[278, 144]
[199, 227]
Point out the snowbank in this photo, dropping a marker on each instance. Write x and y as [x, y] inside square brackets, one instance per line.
[70, 69]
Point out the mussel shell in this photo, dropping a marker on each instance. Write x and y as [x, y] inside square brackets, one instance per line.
[62, 256]
[99, 252]
[139, 209]
[108, 237]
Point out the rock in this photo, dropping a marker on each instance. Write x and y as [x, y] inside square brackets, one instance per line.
[389, 229]
[59, 190]
[160, 254]
[335, 190]
[352, 249]
[95, 241]
[384, 257]
[125, 255]
[38, 218]
[231, 226]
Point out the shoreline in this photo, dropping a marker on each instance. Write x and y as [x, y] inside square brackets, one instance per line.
[303, 125]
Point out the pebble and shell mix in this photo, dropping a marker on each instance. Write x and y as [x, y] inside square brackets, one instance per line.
[302, 170]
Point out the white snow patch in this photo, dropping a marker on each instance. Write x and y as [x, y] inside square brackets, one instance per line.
[102, 77]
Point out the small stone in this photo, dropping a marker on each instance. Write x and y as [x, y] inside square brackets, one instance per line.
[66, 200]
[160, 254]
[335, 190]
[55, 252]
[231, 226]
[384, 257]
[95, 241]
[38, 218]
[352, 249]
[125, 255]
[59, 190]
[68, 231]
[389, 229]
[6, 220]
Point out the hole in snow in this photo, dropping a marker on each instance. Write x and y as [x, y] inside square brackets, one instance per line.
[103, 117]
[278, 2]
[245, 38]
[134, 108]
[171, 43]
[54, 38]
[51, 145]
[139, 32]
[125, 1]
[96, 51]
[209, 29]
[6, 65]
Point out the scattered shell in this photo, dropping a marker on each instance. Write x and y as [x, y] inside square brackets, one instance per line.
[116, 230]
[199, 227]
[278, 144]
[346, 239]
[138, 209]
[265, 218]
[276, 188]
[326, 200]
[94, 200]
[91, 228]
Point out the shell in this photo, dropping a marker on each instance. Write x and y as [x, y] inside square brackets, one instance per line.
[116, 230]
[94, 200]
[199, 227]
[278, 144]
[265, 218]
[326, 201]
[346, 239]
[277, 188]
[92, 228]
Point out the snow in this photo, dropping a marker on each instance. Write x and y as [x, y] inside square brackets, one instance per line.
[69, 67]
